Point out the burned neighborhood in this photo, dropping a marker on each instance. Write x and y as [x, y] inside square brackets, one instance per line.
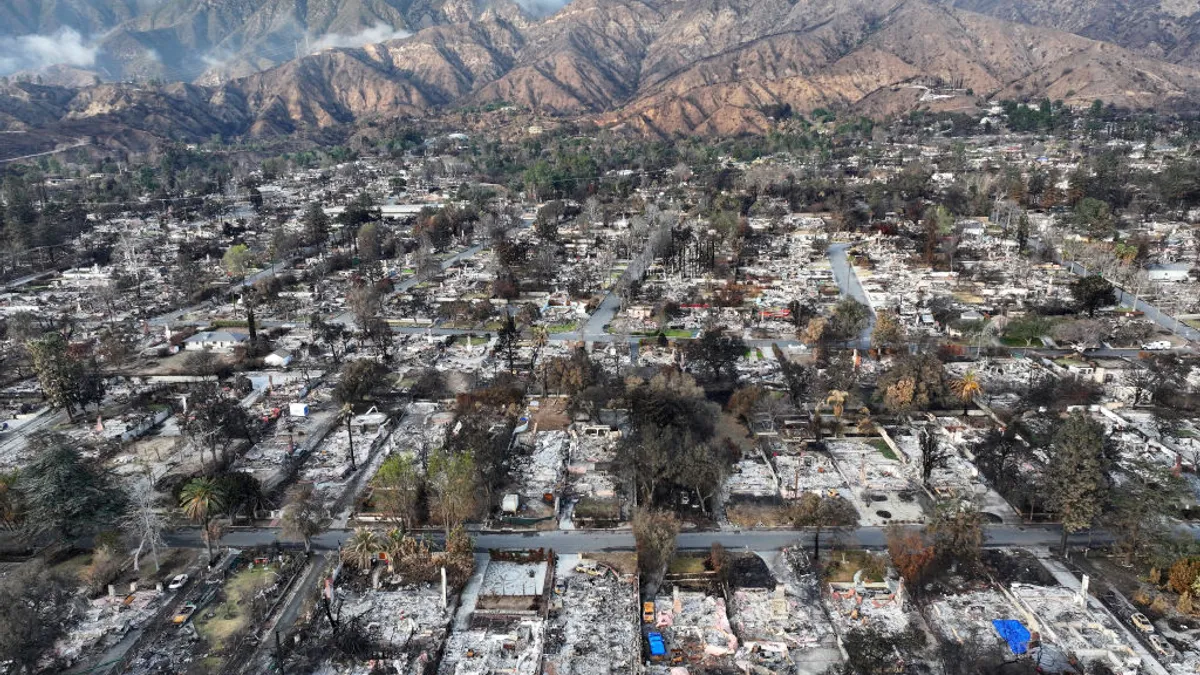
[501, 391]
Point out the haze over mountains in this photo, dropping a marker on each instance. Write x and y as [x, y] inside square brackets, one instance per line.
[661, 66]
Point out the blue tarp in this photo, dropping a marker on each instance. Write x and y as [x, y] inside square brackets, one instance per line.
[1014, 633]
[657, 647]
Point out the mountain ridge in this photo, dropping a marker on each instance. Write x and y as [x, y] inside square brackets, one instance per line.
[656, 66]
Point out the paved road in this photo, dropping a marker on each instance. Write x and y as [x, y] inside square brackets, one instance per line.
[1151, 312]
[77, 144]
[847, 281]
[605, 312]
[303, 589]
[580, 541]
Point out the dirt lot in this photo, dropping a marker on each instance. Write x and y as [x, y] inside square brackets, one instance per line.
[552, 415]
[757, 515]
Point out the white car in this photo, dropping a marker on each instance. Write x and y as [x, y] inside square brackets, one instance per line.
[178, 582]
[1157, 345]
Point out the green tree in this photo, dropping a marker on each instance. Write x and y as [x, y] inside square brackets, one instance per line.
[798, 377]
[242, 492]
[65, 493]
[1076, 480]
[507, 339]
[397, 489]
[849, 318]
[362, 549]
[714, 355]
[1095, 216]
[453, 485]
[359, 211]
[201, 499]
[1028, 329]
[316, 225]
[36, 605]
[60, 374]
[237, 261]
[1022, 232]
[966, 388]
[1092, 292]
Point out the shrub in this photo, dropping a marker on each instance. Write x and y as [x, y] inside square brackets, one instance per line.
[1183, 574]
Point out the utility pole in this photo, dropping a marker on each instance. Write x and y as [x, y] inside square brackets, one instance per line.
[278, 654]
[347, 410]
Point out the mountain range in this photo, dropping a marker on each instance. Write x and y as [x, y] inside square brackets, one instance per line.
[239, 67]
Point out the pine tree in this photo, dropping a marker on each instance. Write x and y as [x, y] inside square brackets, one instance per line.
[1076, 477]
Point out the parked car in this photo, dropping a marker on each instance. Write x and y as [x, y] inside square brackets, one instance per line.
[184, 613]
[1161, 645]
[1141, 622]
[1157, 345]
[178, 582]
[648, 611]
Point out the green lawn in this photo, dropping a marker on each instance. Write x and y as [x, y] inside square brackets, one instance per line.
[880, 445]
[562, 327]
[686, 564]
[1017, 342]
[671, 333]
[230, 616]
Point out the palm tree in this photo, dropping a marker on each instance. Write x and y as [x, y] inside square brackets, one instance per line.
[362, 548]
[200, 499]
[966, 388]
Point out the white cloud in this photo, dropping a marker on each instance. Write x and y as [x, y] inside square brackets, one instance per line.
[31, 52]
[380, 32]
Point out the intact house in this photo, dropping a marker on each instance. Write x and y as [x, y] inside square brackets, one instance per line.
[215, 340]
[280, 358]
